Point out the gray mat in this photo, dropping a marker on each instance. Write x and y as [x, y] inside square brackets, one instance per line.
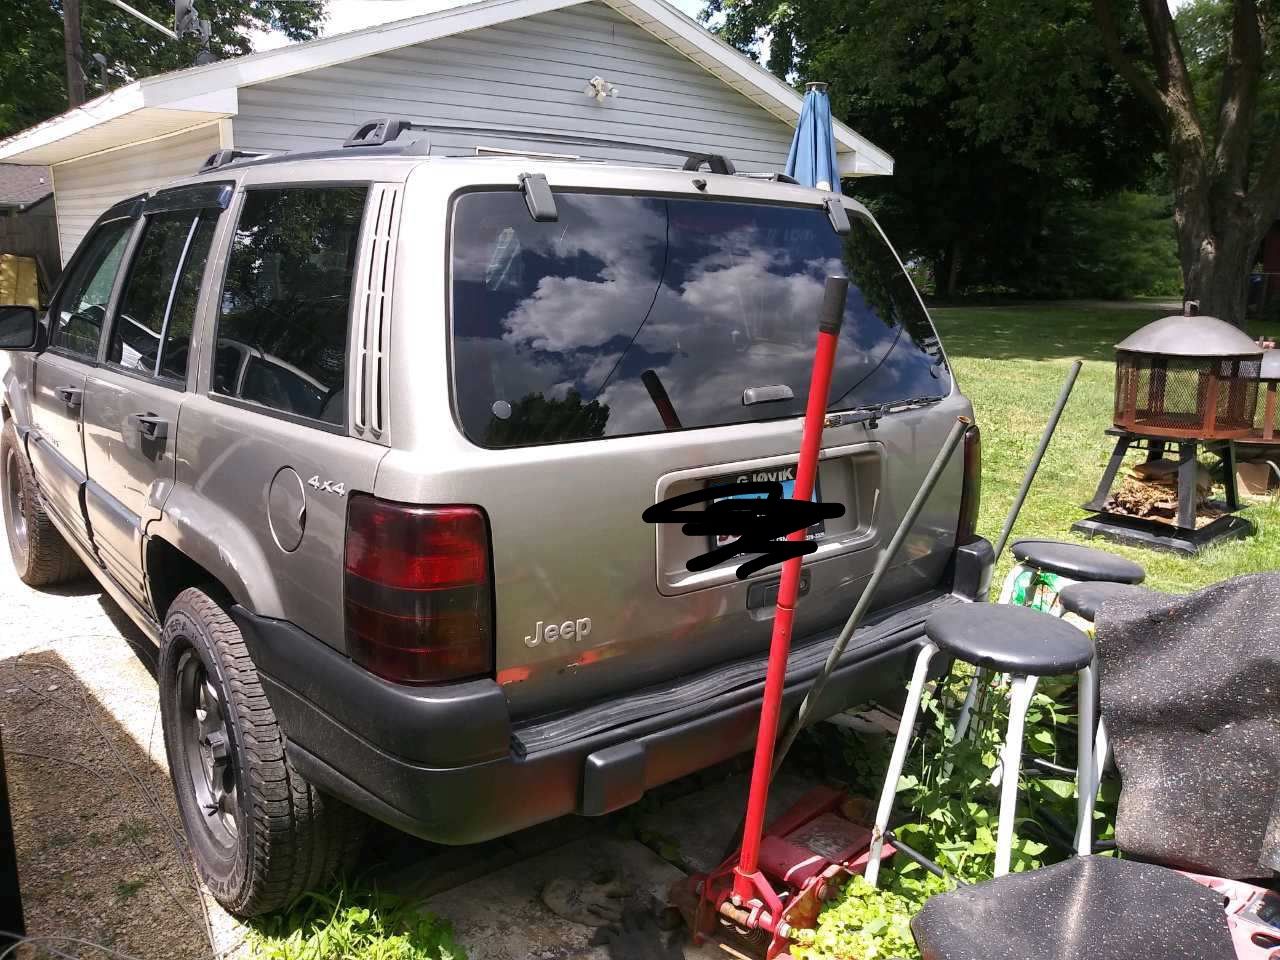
[1191, 697]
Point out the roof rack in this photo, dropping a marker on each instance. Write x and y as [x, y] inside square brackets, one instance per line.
[384, 130]
[224, 157]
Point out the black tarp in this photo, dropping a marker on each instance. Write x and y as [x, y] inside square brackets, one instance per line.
[1191, 698]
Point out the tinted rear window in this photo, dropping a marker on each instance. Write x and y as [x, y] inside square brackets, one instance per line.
[635, 314]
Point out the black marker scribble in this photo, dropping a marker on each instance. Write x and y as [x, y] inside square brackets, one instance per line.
[759, 523]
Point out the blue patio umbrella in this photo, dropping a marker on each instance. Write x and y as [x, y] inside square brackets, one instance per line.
[812, 159]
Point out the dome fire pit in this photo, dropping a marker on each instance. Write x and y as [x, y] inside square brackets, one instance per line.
[1190, 383]
[1187, 377]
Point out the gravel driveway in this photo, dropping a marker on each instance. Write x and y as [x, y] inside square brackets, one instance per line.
[100, 853]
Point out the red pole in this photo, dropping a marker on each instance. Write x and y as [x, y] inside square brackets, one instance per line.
[780, 645]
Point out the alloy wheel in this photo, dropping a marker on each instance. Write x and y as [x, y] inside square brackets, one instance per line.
[15, 504]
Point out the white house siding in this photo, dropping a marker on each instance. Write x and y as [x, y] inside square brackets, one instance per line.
[84, 188]
[527, 74]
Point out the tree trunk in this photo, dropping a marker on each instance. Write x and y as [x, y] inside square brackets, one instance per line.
[955, 255]
[1218, 250]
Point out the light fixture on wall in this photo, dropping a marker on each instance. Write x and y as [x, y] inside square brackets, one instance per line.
[600, 88]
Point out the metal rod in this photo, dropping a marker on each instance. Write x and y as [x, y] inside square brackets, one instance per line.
[911, 853]
[1020, 694]
[1086, 786]
[144, 18]
[829, 323]
[810, 702]
[1063, 395]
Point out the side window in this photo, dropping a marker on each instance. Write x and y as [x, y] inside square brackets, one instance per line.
[82, 304]
[157, 306]
[286, 300]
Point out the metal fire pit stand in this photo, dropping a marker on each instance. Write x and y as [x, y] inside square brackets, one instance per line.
[1183, 536]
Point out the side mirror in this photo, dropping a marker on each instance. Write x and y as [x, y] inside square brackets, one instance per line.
[19, 328]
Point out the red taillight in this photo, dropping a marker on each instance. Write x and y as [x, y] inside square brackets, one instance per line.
[417, 594]
[971, 492]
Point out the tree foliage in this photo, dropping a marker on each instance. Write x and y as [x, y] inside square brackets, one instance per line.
[1118, 246]
[994, 112]
[33, 84]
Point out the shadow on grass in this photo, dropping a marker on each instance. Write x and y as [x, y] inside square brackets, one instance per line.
[100, 854]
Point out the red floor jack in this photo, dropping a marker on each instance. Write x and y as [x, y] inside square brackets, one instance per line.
[777, 882]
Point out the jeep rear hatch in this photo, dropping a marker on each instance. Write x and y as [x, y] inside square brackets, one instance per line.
[591, 354]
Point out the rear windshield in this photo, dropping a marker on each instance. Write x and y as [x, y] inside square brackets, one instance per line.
[633, 314]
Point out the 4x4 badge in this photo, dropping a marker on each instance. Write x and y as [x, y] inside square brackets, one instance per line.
[327, 486]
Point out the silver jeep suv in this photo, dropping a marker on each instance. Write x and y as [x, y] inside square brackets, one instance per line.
[362, 440]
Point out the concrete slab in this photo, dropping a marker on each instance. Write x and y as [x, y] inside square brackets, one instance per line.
[695, 829]
[501, 916]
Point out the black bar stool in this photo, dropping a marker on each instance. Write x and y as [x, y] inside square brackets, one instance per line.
[1070, 561]
[1083, 601]
[1025, 644]
[1086, 599]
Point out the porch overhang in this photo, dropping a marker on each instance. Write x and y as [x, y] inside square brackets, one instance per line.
[125, 116]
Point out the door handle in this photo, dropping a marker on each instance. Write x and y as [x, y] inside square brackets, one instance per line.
[149, 425]
[71, 396]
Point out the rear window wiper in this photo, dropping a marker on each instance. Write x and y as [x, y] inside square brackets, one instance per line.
[871, 414]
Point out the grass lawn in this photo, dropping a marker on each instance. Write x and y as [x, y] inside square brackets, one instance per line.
[1011, 361]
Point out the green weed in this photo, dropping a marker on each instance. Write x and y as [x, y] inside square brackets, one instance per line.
[353, 926]
[126, 889]
[134, 830]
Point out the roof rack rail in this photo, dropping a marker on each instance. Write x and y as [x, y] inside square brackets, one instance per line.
[383, 130]
[375, 133]
[771, 177]
[223, 157]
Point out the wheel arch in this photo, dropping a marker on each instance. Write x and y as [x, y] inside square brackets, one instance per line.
[196, 542]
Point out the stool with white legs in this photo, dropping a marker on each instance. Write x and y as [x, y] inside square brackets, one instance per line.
[1081, 603]
[1025, 644]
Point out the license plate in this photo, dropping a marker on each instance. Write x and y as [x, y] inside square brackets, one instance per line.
[784, 475]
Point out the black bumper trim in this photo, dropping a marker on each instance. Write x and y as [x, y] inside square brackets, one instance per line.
[483, 800]
[445, 726]
[742, 680]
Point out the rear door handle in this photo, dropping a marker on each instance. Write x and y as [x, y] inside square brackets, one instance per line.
[71, 396]
[776, 391]
[149, 425]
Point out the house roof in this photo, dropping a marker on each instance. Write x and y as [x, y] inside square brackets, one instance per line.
[171, 102]
[22, 186]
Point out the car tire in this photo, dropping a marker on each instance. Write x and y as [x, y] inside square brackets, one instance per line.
[260, 835]
[40, 555]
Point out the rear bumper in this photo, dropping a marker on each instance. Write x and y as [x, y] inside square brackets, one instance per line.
[447, 764]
